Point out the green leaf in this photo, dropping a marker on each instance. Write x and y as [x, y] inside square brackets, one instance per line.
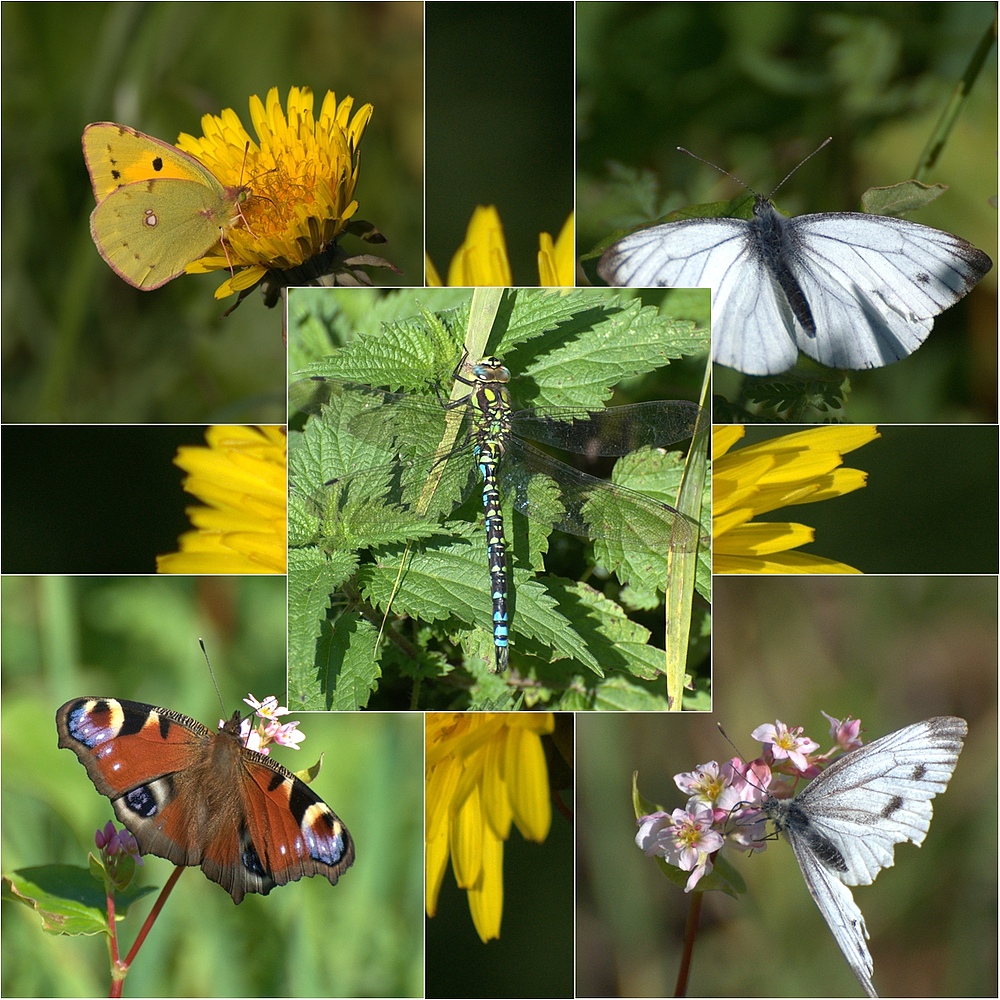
[68, 899]
[640, 806]
[899, 199]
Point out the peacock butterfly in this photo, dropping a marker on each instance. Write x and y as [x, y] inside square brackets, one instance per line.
[197, 797]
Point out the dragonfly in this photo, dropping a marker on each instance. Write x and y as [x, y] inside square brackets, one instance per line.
[437, 451]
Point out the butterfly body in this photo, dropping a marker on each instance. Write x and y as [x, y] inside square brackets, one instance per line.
[844, 825]
[158, 208]
[198, 797]
[848, 289]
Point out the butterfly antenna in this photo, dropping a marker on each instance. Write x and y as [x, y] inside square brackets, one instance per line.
[748, 774]
[715, 166]
[824, 143]
[725, 736]
[211, 673]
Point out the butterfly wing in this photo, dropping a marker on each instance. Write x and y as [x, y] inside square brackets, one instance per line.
[880, 795]
[843, 827]
[149, 232]
[752, 324]
[158, 208]
[289, 832]
[134, 754]
[197, 797]
[839, 910]
[117, 155]
[874, 284]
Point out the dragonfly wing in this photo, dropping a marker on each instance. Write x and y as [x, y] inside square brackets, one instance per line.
[617, 430]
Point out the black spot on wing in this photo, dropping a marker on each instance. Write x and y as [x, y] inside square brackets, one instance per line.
[891, 807]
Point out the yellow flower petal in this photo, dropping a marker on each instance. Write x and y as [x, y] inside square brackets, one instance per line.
[486, 898]
[485, 771]
[529, 785]
[557, 262]
[797, 468]
[242, 476]
[481, 261]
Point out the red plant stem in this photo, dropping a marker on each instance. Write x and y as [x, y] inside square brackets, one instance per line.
[690, 934]
[153, 913]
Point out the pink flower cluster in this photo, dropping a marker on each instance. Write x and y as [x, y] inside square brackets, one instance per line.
[269, 730]
[724, 800]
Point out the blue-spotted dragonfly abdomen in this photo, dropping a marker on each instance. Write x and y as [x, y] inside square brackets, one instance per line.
[416, 459]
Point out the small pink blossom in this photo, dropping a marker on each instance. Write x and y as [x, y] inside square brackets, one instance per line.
[846, 734]
[286, 735]
[684, 839]
[130, 845]
[654, 834]
[105, 835]
[745, 786]
[704, 784]
[786, 743]
[114, 844]
[268, 708]
[252, 738]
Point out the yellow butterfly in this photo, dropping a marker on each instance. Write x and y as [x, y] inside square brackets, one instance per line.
[158, 208]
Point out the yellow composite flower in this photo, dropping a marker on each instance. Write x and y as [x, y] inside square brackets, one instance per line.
[804, 467]
[484, 770]
[242, 477]
[300, 176]
[482, 262]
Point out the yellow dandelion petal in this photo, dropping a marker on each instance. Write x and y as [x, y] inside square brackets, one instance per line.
[485, 771]
[431, 275]
[300, 177]
[498, 811]
[798, 468]
[486, 897]
[724, 436]
[436, 856]
[528, 787]
[242, 477]
[786, 563]
[481, 261]
[466, 840]
[557, 262]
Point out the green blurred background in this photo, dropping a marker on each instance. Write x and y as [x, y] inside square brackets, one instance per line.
[930, 505]
[890, 651]
[78, 343]
[499, 124]
[755, 87]
[136, 638]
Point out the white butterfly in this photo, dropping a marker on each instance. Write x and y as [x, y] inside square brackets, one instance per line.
[844, 824]
[848, 289]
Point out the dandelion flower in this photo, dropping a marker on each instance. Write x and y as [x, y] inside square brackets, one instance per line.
[804, 467]
[482, 262]
[484, 770]
[300, 176]
[242, 477]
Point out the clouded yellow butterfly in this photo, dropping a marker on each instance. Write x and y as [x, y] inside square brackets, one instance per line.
[158, 208]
